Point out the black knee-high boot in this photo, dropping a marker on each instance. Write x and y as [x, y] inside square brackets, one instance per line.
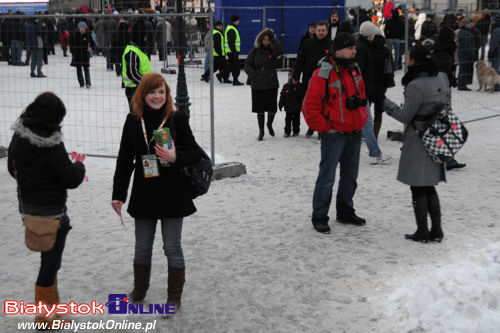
[260, 120]
[436, 233]
[270, 119]
[419, 201]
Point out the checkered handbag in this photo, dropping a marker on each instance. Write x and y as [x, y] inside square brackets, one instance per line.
[443, 135]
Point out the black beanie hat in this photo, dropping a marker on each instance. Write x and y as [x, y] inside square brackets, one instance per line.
[234, 18]
[420, 53]
[46, 112]
[343, 40]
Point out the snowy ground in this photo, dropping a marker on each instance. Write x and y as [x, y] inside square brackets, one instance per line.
[254, 263]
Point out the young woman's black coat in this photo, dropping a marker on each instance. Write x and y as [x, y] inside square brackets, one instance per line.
[165, 196]
[79, 47]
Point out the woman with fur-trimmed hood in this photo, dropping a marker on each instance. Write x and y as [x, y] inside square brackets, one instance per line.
[260, 67]
[44, 173]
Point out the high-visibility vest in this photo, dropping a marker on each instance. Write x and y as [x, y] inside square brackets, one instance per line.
[237, 41]
[144, 65]
[222, 46]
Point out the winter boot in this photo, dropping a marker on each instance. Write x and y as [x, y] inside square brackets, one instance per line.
[176, 279]
[47, 296]
[270, 119]
[260, 120]
[56, 300]
[142, 275]
[420, 209]
[205, 77]
[436, 233]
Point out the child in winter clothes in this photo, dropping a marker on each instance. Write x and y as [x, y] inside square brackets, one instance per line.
[291, 99]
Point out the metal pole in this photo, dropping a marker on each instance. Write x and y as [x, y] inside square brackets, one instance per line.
[263, 17]
[212, 100]
[407, 42]
[182, 97]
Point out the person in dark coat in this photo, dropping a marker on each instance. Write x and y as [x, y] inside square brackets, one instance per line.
[310, 33]
[333, 24]
[44, 174]
[466, 55]
[16, 44]
[429, 28]
[34, 41]
[291, 100]
[426, 90]
[313, 50]
[158, 192]
[119, 42]
[217, 52]
[80, 45]
[494, 49]
[483, 26]
[260, 67]
[394, 32]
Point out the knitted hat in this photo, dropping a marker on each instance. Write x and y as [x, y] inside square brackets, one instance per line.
[343, 40]
[235, 18]
[465, 21]
[82, 25]
[368, 29]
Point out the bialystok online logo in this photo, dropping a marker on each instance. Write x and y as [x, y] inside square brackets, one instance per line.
[117, 304]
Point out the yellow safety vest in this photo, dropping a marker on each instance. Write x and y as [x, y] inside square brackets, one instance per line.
[237, 41]
[144, 65]
[221, 43]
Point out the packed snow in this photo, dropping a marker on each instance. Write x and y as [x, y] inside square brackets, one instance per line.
[254, 262]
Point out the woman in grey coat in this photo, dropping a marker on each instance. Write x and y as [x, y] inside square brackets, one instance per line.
[426, 91]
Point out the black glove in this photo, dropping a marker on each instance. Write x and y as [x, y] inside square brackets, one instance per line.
[389, 106]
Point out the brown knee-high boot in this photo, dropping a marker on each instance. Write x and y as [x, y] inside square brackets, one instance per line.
[46, 295]
[176, 279]
[142, 275]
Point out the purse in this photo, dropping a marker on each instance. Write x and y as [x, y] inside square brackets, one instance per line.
[40, 231]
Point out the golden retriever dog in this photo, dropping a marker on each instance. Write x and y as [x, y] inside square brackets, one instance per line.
[486, 76]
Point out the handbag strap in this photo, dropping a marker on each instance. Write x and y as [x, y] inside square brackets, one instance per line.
[19, 193]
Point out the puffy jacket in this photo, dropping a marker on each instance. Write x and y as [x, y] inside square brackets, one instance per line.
[324, 111]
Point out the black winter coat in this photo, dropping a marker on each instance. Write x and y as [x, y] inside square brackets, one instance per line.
[79, 47]
[395, 28]
[429, 30]
[379, 52]
[313, 50]
[291, 97]
[365, 62]
[119, 42]
[261, 64]
[160, 197]
[45, 171]
[443, 55]
[466, 49]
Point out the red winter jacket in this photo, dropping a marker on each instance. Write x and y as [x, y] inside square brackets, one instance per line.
[317, 110]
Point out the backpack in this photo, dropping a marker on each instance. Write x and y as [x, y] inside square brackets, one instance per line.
[442, 135]
[198, 176]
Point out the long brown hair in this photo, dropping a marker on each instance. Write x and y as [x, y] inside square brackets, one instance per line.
[150, 82]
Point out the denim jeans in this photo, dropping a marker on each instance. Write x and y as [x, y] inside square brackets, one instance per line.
[484, 40]
[336, 148]
[36, 61]
[397, 44]
[171, 230]
[51, 260]
[206, 64]
[16, 51]
[369, 135]
[107, 50]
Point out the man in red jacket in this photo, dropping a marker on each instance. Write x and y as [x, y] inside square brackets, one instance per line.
[335, 106]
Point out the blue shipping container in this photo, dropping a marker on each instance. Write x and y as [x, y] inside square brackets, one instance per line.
[289, 24]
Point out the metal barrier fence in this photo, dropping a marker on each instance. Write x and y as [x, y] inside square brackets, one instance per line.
[465, 103]
[95, 116]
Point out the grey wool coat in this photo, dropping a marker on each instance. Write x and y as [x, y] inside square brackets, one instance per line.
[422, 95]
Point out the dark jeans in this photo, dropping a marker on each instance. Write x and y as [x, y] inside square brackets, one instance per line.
[79, 75]
[171, 230]
[337, 148]
[465, 72]
[292, 120]
[109, 64]
[16, 51]
[36, 61]
[232, 66]
[51, 260]
[129, 92]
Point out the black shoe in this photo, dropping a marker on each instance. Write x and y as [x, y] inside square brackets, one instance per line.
[309, 133]
[33, 75]
[295, 134]
[219, 77]
[41, 75]
[436, 234]
[322, 227]
[419, 236]
[88, 86]
[270, 129]
[286, 135]
[227, 81]
[455, 166]
[237, 83]
[351, 219]
[463, 89]
[82, 85]
[261, 136]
